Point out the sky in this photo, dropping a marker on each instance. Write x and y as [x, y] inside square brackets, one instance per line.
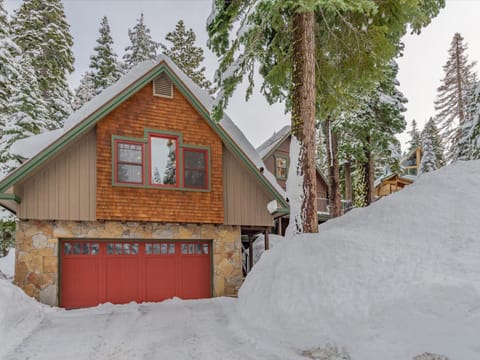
[420, 67]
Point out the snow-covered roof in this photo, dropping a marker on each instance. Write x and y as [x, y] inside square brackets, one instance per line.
[389, 176]
[33, 146]
[273, 141]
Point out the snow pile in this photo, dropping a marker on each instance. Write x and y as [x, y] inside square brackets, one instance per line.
[7, 264]
[393, 281]
[19, 315]
[259, 245]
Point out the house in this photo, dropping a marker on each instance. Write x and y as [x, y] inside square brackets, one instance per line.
[391, 182]
[140, 197]
[275, 154]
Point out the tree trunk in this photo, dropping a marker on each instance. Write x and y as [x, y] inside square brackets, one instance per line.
[347, 169]
[303, 113]
[369, 173]
[334, 198]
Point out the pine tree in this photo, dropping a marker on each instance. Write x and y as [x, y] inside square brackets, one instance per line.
[186, 55]
[86, 91]
[42, 32]
[28, 114]
[141, 47]
[104, 63]
[9, 53]
[312, 54]
[359, 188]
[428, 162]
[415, 139]
[430, 131]
[450, 103]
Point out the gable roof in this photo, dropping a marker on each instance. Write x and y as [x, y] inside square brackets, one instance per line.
[38, 149]
[273, 143]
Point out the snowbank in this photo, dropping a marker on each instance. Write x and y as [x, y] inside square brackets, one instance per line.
[392, 281]
[19, 315]
[7, 264]
[259, 245]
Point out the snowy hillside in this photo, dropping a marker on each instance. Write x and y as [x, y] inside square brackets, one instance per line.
[391, 281]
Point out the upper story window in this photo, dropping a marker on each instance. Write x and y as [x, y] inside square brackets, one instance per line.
[281, 167]
[195, 170]
[129, 162]
[161, 160]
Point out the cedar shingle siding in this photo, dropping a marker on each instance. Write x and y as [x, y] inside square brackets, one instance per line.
[143, 110]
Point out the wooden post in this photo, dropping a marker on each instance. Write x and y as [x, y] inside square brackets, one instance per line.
[279, 227]
[267, 240]
[250, 252]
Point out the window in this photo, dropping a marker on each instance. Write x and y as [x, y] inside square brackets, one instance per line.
[160, 160]
[281, 167]
[129, 162]
[195, 168]
[163, 160]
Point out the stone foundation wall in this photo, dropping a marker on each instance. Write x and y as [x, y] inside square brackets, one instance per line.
[36, 266]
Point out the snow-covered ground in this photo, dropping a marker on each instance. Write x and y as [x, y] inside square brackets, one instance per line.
[394, 281]
[175, 329]
[391, 281]
[7, 264]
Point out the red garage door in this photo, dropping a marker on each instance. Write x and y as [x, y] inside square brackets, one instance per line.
[94, 272]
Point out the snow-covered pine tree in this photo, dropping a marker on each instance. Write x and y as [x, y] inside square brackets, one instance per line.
[142, 47]
[186, 55]
[359, 188]
[42, 32]
[104, 62]
[429, 159]
[468, 147]
[28, 114]
[431, 132]
[415, 139]
[9, 53]
[450, 103]
[86, 91]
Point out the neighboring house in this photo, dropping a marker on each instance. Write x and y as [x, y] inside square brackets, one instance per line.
[275, 154]
[140, 197]
[391, 182]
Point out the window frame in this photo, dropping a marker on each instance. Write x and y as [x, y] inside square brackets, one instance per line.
[277, 175]
[156, 134]
[145, 142]
[116, 142]
[206, 169]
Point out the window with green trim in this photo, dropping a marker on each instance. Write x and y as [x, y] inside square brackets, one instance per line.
[129, 162]
[160, 160]
[163, 159]
[281, 167]
[195, 168]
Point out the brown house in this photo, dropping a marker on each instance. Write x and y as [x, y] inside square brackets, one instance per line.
[275, 153]
[140, 197]
[391, 182]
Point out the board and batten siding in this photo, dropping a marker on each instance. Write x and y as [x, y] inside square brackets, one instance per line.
[245, 200]
[65, 188]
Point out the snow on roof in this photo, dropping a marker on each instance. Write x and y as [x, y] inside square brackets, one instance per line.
[29, 147]
[273, 141]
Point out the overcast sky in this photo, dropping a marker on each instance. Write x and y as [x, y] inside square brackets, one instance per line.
[420, 67]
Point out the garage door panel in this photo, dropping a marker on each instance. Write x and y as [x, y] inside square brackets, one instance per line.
[80, 282]
[195, 284]
[160, 275]
[122, 279]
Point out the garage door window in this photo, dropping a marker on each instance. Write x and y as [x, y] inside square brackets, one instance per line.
[160, 249]
[195, 249]
[75, 248]
[122, 249]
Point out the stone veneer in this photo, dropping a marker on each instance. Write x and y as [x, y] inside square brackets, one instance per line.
[36, 265]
